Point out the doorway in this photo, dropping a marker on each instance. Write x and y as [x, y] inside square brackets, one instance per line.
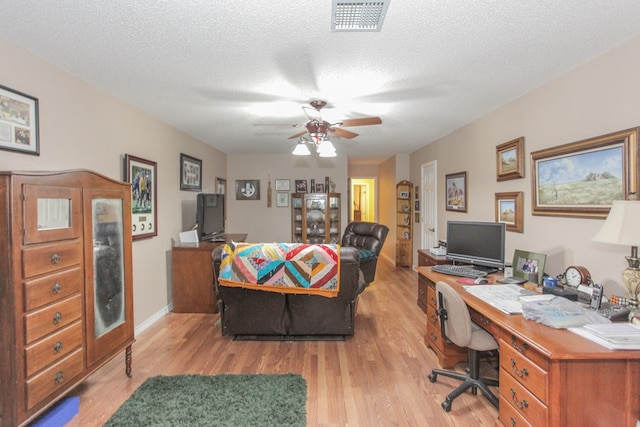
[363, 200]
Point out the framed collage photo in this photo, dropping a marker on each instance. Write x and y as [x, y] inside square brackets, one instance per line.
[142, 175]
[19, 122]
[190, 173]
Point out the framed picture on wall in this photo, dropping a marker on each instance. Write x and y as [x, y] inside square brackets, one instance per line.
[247, 189]
[456, 191]
[190, 173]
[19, 122]
[221, 186]
[509, 210]
[301, 185]
[282, 199]
[510, 160]
[142, 175]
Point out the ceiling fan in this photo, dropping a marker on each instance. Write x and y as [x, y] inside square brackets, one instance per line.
[318, 128]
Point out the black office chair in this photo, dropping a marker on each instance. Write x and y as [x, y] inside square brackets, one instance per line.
[458, 328]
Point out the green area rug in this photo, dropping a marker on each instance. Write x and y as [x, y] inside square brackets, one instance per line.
[221, 400]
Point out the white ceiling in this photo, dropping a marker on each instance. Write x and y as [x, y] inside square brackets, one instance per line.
[234, 73]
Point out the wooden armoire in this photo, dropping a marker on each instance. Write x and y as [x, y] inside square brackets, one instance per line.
[66, 297]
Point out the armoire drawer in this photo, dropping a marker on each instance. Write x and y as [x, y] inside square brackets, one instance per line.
[54, 378]
[51, 318]
[53, 287]
[44, 259]
[53, 348]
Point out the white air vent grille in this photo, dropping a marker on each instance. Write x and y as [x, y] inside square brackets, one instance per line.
[358, 15]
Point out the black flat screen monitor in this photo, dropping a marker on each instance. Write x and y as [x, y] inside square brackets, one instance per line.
[478, 243]
[210, 216]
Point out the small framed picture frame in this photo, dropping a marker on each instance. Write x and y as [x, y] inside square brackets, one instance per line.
[319, 188]
[301, 185]
[221, 186]
[282, 200]
[510, 160]
[283, 185]
[527, 265]
[416, 195]
[142, 175]
[19, 122]
[509, 210]
[456, 191]
[582, 179]
[404, 194]
[248, 189]
[417, 217]
[190, 173]
[416, 205]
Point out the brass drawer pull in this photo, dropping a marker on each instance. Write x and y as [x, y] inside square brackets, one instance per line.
[57, 288]
[57, 318]
[59, 377]
[513, 421]
[521, 373]
[57, 347]
[514, 344]
[55, 258]
[521, 405]
[434, 319]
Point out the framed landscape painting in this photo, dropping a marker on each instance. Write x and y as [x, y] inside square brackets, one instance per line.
[510, 160]
[509, 210]
[583, 178]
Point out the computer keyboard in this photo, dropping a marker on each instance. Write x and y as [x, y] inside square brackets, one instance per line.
[457, 270]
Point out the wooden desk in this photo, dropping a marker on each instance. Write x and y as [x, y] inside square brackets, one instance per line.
[551, 377]
[192, 276]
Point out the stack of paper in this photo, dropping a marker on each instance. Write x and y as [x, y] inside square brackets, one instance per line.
[621, 336]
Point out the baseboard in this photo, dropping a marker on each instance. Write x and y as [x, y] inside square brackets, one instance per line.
[153, 319]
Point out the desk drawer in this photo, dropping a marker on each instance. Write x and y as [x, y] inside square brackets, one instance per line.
[53, 379]
[484, 322]
[52, 288]
[45, 259]
[52, 318]
[53, 348]
[509, 416]
[522, 400]
[525, 349]
[524, 371]
[432, 296]
[434, 334]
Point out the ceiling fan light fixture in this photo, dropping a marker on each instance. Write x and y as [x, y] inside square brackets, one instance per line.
[352, 15]
[301, 149]
[326, 149]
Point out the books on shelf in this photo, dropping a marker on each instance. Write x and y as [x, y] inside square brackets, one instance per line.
[617, 336]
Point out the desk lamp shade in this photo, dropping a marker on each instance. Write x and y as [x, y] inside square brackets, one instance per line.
[622, 227]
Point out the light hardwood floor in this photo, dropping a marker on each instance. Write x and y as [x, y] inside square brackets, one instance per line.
[378, 377]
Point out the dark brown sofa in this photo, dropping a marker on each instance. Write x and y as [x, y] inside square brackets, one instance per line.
[257, 313]
[368, 238]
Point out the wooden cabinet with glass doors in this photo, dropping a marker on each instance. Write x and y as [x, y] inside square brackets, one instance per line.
[315, 218]
[66, 305]
[404, 228]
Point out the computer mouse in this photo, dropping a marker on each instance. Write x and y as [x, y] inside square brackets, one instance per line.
[481, 281]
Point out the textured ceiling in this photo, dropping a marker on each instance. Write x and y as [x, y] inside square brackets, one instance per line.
[234, 73]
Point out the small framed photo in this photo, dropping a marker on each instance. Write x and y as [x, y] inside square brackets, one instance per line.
[417, 217]
[190, 173]
[456, 188]
[142, 175]
[282, 200]
[509, 210]
[528, 264]
[283, 185]
[416, 205]
[510, 160]
[404, 194]
[248, 189]
[19, 122]
[319, 188]
[417, 192]
[301, 185]
[221, 186]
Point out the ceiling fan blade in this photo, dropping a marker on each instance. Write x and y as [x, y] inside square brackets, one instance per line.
[365, 121]
[299, 134]
[343, 133]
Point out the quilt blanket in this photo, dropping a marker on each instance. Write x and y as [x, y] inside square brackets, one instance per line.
[294, 268]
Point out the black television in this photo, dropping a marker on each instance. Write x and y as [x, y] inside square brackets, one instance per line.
[480, 244]
[210, 216]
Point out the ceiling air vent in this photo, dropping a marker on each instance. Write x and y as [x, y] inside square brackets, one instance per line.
[358, 15]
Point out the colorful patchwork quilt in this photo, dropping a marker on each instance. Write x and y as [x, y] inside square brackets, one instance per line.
[294, 268]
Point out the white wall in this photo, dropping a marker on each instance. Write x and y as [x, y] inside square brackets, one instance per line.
[82, 127]
[597, 98]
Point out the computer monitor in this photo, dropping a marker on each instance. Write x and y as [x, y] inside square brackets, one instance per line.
[478, 243]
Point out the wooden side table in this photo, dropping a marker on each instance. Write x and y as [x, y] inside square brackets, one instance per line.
[192, 276]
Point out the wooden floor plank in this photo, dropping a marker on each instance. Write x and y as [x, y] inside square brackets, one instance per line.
[376, 377]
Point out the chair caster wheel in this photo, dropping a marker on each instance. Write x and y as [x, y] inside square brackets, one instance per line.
[446, 405]
[433, 377]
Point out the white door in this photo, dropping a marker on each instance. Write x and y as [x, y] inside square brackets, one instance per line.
[429, 208]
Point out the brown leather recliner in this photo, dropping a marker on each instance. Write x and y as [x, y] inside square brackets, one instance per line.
[368, 238]
[250, 312]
